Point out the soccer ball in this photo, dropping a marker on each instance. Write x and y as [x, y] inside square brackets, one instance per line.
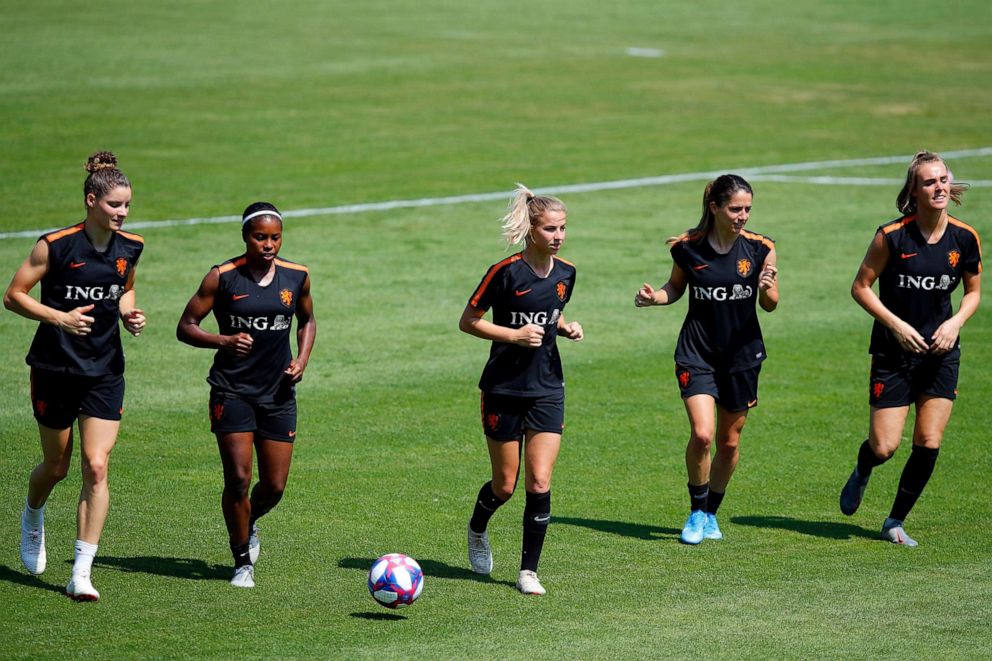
[395, 580]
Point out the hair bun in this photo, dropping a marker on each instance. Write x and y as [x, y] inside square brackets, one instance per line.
[101, 160]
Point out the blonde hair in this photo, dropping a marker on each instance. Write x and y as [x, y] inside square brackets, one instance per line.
[524, 211]
[906, 200]
[718, 191]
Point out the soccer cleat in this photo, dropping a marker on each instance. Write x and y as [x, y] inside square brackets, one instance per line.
[480, 555]
[711, 530]
[528, 583]
[254, 545]
[852, 493]
[33, 546]
[692, 533]
[244, 577]
[80, 588]
[892, 532]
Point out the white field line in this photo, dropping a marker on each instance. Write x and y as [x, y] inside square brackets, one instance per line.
[756, 173]
[847, 181]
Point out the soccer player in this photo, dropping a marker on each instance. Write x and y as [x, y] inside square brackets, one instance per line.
[720, 349]
[253, 380]
[87, 275]
[918, 260]
[523, 389]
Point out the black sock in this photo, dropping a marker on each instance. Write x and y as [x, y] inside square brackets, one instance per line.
[240, 553]
[698, 495]
[485, 506]
[916, 474]
[537, 515]
[867, 460]
[713, 502]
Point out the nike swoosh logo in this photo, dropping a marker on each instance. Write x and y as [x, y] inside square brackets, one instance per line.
[752, 403]
[517, 292]
[292, 434]
[700, 267]
[238, 297]
[538, 519]
[76, 265]
[912, 254]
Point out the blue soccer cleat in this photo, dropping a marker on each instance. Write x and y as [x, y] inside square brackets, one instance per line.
[712, 529]
[692, 533]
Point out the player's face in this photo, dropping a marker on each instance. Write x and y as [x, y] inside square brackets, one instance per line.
[933, 186]
[264, 238]
[547, 235]
[733, 214]
[110, 211]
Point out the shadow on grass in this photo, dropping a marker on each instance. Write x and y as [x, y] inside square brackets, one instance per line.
[22, 578]
[622, 528]
[829, 529]
[378, 616]
[189, 568]
[432, 569]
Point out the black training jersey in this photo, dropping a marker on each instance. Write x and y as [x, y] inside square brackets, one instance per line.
[79, 275]
[519, 297]
[266, 313]
[917, 281]
[721, 331]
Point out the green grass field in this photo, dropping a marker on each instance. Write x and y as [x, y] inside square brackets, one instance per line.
[315, 104]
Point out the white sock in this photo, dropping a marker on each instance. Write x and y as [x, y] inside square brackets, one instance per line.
[85, 552]
[35, 518]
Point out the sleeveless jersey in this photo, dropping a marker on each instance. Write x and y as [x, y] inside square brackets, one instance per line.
[721, 331]
[78, 275]
[918, 279]
[519, 297]
[266, 313]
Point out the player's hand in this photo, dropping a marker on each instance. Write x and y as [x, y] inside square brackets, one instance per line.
[77, 322]
[767, 278]
[572, 331]
[945, 337]
[134, 321]
[239, 344]
[909, 339]
[530, 335]
[644, 297]
[295, 370]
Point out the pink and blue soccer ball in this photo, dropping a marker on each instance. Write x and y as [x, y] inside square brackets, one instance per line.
[395, 580]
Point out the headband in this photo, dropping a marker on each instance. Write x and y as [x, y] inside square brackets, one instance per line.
[263, 212]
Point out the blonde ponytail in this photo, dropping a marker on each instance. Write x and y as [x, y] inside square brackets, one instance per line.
[524, 211]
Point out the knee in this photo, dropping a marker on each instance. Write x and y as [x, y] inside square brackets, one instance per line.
[539, 484]
[275, 489]
[930, 440]
[504, 488]
[56, 471]
[701, 439]
[729, 446]
[236, 485]
[95, 470]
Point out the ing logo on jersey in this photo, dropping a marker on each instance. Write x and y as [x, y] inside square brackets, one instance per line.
[217, 412]
[121, 266]
[561, 289]
[876, 389]
[492, 421]
[684, 378]
[744, 267]
[286, 297]
[953, 257]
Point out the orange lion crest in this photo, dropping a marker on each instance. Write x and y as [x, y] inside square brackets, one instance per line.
[121, 265]
[561, 289]
[876, 389]
[684, 378]
[217, 412]
[492, 420]
[953, 257]
[744, 267]
[286, 297]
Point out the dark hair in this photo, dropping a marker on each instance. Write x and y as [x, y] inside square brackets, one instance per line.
[254, 209]
[906, 200]
[104, 175]
[718, 191]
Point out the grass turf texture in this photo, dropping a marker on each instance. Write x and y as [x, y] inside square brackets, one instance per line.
[336, 105]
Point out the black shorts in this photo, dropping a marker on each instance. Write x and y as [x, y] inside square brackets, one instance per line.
[58, 398]
[734, 391]
[900, 380]
[506, 417]
[229, 414]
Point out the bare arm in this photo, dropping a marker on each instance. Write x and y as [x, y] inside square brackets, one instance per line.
[946, 335]
[132, 316]
[472, 322]
[670, 292]
[874, 262]
[306, 333]
[768, 283]
[18, 299]
[189, 330]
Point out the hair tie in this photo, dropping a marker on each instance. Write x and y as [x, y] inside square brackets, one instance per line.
[263, 212]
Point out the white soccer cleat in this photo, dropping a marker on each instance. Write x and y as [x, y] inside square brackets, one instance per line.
[33, 547]
[254, 545]
[892, 532]
[244, 577]
[528, 583]
[480, 555]
[81, 588]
